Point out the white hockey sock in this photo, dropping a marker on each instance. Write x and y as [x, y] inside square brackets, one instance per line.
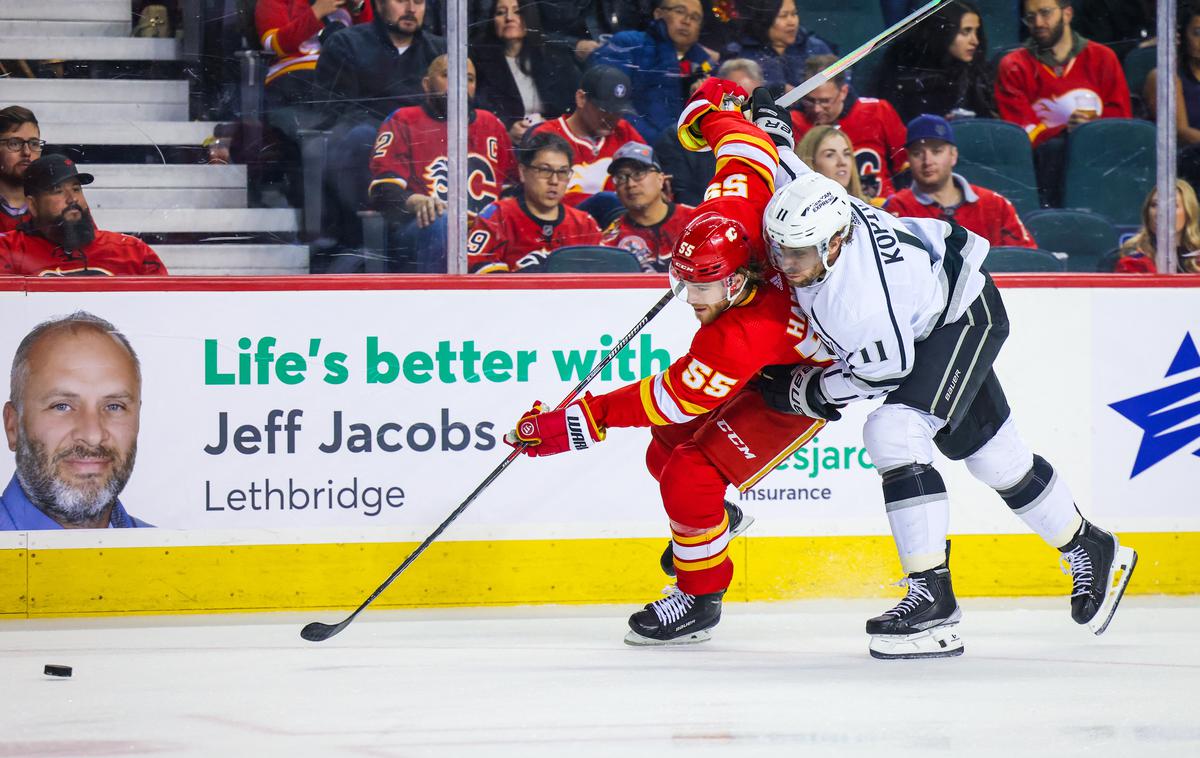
[918, 510]
[1043, 501]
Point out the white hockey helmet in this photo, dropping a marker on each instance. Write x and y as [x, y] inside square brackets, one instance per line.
[803, 216]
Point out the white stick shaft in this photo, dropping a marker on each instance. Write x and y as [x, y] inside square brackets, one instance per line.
[848, 60]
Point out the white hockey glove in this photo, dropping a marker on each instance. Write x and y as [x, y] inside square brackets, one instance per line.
[797, 390]
[775, 121]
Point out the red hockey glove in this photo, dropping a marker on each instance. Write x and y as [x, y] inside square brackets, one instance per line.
[713, 95]
[547, 432]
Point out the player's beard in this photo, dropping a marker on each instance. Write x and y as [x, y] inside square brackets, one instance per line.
[72, 234]
[61, 501]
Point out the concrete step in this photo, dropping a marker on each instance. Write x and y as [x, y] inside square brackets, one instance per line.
[201, 221]
[100, 112]
[65, 28]
[126, 197]
[238, 260]
[66, 10]
[164, 176]
[126, 132]
[106, 91]
[90, 49]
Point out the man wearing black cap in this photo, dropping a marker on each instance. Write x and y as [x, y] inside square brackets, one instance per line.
[61, 239]
[938, 192]
[595, 130]
[651, 223]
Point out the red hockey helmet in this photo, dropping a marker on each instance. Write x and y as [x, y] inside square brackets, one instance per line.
[711, 249]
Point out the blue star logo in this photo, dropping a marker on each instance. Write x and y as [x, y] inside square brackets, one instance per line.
[1162, 413]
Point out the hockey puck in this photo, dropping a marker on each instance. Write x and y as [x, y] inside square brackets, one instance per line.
[53, 670]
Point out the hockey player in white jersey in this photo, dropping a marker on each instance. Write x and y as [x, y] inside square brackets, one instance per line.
[913, 317]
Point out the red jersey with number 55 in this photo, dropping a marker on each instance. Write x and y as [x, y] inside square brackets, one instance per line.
[410, 151]
[506, 237]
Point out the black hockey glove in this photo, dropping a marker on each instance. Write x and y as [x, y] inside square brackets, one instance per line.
[797, 390]
[772, 119]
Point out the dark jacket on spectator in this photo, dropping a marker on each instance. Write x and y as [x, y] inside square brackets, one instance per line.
[916, 89]
[565, 22]
[660, 87]
[553, 71]
[778, 69]
[690, 172]
[364, 78]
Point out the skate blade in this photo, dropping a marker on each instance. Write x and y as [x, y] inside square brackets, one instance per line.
[1124, 562]
[637, 640]
[939, 642]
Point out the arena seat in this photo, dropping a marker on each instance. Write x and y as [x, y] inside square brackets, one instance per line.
[846, 26]
[592, 259]
[1000, 23]
[1084, 236]
[1022, 259]
[1111, 168]
[996, 154]
[1138, 64]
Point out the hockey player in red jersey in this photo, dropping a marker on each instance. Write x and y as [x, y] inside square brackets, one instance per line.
[519, 233]
[872, 125]
[61, 239]
[706, 431]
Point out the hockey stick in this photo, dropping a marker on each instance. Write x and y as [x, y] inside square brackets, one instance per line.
[878, 41]
[316, 631]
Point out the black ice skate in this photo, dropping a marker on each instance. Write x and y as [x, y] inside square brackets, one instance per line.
[677, 619]
[738, 523]
[1100, 569]
[922, 624]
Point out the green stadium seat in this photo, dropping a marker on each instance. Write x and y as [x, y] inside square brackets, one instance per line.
[1138, 64]
[592, 259]
[1000, 23]
[1022, 259]
[847, 25]
[997, 155]
[1084, 236]
[1111, 168]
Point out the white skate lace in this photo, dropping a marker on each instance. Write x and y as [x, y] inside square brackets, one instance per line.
[672, 607]
[1078, 565]
[917, 591]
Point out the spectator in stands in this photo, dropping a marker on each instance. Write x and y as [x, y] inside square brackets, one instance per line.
[293, 31]
[663, 62]
[777, 42]
[71, 465]
[941, 67]
[20, 145]
[519, 233]
[521, 79]
[828, 151]
[60, 239]
[1056, 82]
[938, 192]
[595, 130]
[872, 125]
[1187, 93]
[365, 73]
[1137, 255]
[690, 172]
[410, 173]
[651, 223]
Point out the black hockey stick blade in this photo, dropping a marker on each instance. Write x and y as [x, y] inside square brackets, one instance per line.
[318, 632]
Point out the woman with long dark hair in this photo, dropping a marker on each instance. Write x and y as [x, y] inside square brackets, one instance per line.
[941, 67]
[518, 77]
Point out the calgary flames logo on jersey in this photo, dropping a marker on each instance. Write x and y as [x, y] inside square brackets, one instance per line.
[482, 186]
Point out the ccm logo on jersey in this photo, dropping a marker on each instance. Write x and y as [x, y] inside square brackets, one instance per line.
[733, 436]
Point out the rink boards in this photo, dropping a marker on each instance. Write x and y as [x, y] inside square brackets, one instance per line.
[299, 437]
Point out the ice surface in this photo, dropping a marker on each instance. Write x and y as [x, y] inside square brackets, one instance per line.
[777, 679]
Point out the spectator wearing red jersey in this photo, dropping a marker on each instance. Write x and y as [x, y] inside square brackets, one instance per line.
[410, 171]
[650, 224]
[20, 145]
[293, 30]
[872, 125]
[595, 130]
[938, 192]
[1058, 81]
[61, 239]
[519, 233]
[1137, 256]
